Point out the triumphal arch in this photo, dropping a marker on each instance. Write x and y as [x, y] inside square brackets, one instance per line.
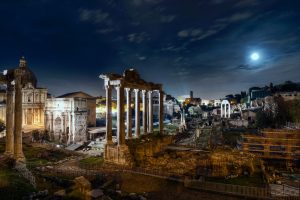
[130, 84]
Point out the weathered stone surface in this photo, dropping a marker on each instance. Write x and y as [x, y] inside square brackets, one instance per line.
[60, 193]
[96, 193]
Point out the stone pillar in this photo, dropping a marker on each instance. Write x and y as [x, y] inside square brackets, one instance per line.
[150, 117]
[18, 152]
[129, 113]
[144, 93]
[161, 112]
[221, 110]
[9, 148]
[69, 133]
[137, 113]
[52, 122]
[120, 115]
[73, 127]
[108, 115]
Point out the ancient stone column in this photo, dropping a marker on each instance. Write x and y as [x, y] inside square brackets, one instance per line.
[137, 112]
[52, 122]
[18, 152]
[9, 148]
[150, 117]
[70, 124]
[129, 113]
[108, 115]
[144, 96]
[120, 115]
[161, 112]
[221, 110]
[74, 136]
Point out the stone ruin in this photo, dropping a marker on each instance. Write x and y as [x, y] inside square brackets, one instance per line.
[127, 83]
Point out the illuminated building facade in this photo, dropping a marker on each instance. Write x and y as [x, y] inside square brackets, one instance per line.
[33, 101]
[279, 144]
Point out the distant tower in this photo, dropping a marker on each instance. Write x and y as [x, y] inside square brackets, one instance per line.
[191, 95]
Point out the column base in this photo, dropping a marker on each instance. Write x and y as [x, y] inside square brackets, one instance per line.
[9, 154]
[20, 157]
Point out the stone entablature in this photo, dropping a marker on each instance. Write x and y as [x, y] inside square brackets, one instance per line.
[66, 119]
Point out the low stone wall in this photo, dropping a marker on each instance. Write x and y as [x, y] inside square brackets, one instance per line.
[147, 147]
[118, 154]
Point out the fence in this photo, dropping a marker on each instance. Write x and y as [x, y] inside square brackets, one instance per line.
[253, 192]
[237, 190]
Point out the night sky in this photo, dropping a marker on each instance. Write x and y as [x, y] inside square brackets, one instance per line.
[204, 46]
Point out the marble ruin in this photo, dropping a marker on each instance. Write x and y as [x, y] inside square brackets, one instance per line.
[15, 79]
[225, 109]
[127, 83]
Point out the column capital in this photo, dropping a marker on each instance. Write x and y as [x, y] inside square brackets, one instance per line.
[144, 92]
[118, 86]
[136, 90]
[108, 86]
[128, 90]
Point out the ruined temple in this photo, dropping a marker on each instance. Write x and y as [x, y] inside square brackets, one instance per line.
[127, 83]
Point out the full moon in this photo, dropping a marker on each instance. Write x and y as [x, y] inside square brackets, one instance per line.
[254, 56]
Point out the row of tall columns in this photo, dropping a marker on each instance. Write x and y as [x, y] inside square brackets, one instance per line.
[147, 113]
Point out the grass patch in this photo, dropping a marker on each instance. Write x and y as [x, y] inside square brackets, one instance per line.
[13, 186]
[91, 162]
[37, 156]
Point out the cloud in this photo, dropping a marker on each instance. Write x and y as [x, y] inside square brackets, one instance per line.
[239, 16]
[96, 16]
[137, 37]
[235, 17]
[142, 58]
[219, 25]
[105, 30]
[167, 18]
[247, 3]
[183, 33]
[182, 73]
[142, 2]
[189, 32]
[216, 2]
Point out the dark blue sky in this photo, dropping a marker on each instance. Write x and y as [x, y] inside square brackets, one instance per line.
[200, 45]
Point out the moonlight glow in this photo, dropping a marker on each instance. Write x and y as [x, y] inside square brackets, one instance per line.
[254, 56]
